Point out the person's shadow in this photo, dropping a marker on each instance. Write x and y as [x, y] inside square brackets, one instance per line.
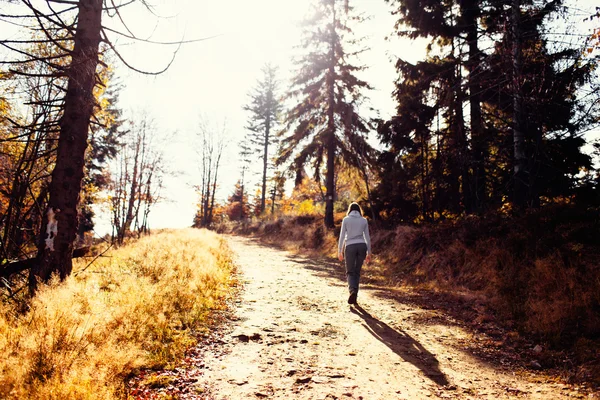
[403, 345]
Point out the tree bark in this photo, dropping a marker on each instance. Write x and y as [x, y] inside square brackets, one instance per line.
[330, 136]
[461, 140]
[265, 161]
[133, 191]
[59, 224]
[478, 140]
[520, 158]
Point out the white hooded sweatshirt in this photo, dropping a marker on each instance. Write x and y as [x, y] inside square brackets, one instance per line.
[355, 229]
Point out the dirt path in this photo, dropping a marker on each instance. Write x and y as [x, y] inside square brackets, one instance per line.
[295, 337]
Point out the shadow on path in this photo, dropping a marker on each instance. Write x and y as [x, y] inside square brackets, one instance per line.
[322, 266]
[456, 309]
[403, 345]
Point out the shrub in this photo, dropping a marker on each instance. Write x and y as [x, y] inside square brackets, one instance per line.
[306, 207]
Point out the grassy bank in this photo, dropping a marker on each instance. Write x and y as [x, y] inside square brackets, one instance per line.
[138, 307]
[538, 274]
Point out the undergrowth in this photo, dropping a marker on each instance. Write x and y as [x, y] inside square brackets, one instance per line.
[140, 306]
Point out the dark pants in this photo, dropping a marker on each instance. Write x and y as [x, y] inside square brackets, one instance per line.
[354, 255]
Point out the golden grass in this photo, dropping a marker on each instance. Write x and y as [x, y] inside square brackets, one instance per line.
[139, 307]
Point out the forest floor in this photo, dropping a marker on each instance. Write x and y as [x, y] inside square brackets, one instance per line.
[292, 335]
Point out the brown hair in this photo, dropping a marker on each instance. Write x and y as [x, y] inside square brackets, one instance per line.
[354, 207]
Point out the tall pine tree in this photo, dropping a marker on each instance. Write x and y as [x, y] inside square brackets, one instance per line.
[325, 123]
[265, 108]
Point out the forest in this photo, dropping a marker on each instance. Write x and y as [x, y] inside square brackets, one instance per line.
[486, 178]
[501, 117]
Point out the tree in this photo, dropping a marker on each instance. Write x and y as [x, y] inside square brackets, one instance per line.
[277, 189]
[455, 31]
[526, 114]
[264, 108]
[211, 146]
[237, 207]
[550, 102]
[245, 158]
[325, 120]
[29, 146]
[75, 28]
[136, 178]
[55, 247]
[520, 163]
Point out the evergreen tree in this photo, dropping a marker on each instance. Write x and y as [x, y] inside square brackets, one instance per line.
[455, 29]
[325, 120]
[543, 102]
[245, 158]
[523, 121]
[265, 109]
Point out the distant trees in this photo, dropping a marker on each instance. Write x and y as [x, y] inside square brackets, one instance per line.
[136, 179]
[324, 123]
[106, 139]
[211, 145]
[265, 108]
[277, 190]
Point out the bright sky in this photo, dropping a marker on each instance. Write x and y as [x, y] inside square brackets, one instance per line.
[212, 78]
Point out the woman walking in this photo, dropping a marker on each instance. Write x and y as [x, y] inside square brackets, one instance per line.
[354, 246]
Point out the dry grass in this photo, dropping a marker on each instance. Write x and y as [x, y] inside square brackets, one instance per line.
[540, 271]
[138, 307]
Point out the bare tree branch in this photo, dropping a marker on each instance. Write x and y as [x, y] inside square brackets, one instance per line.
[179, 42]
[120, 57]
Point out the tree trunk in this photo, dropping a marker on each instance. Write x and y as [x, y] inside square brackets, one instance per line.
[520, 158]
[423, 179]
[470, 12]
[330, 138]
[126, 227]
[59, 224]
[367, 186]
[265, 163]
[208, 190]
[214, 188]
[463, 153]
[147, 203]
[242, 216]
[273, 194]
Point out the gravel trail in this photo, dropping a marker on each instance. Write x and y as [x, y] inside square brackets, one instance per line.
[295, 337]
